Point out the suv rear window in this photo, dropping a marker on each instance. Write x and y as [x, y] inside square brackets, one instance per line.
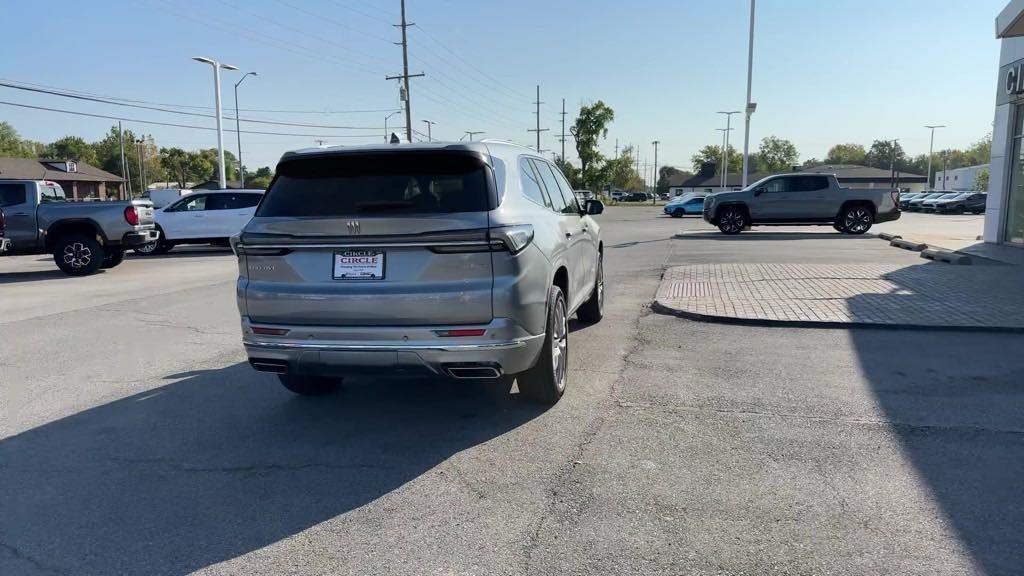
[390, 183]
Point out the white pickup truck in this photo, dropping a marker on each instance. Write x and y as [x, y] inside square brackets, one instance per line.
[801, 199]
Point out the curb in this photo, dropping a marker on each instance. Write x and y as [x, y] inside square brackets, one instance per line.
[908, 244]
[946, 256]
[889, 237]
[659, 308]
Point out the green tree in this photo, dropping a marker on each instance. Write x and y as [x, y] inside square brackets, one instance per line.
[713, 153]
[981, 180]
[590, 127]
[71, 148]
[264, 172]
[572, 173]
[776, 155]
[11, 143]
[881, 153]
[176, 164]
[665, 173]
[846, 154]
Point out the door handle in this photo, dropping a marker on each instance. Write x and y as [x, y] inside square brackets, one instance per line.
[19, 213]
[568, 234]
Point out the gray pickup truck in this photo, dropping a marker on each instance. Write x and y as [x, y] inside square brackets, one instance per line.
[82, 236]
[801, 199]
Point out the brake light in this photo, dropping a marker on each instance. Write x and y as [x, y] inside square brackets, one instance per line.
[511, 238]
[131, 215]
[270, 331]
[460, 332]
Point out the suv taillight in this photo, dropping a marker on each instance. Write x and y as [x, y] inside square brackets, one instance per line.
[895, 198]
[511, 238]
[131, 215]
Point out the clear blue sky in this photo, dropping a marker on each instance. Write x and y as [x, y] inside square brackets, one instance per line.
[825, 71]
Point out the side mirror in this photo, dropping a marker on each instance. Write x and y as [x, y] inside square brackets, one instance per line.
[594, 207]
[759, 191]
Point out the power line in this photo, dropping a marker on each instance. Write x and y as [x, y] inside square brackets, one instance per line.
[138, 121]
[180, 112]
[360, 12]
[538, 129]
[320, 17]
[496, 83]
[405, 74]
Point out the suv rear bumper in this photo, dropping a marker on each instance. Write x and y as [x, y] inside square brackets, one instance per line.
[5, 245]
[139, 237]
[889, 216]
[337, 351]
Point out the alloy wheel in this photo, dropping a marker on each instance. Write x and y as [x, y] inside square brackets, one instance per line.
[732, 221]
[559, 344]
[77, 255]
[146, 248]
[857, 220]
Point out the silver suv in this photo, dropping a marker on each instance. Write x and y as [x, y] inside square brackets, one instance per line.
[459, 260]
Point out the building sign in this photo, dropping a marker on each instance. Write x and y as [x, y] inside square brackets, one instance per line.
[1011, 82]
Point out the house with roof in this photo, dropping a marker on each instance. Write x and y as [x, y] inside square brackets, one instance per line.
[79, 180]
[850, 175]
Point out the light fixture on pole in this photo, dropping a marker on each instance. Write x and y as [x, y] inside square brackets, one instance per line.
[217, 66]
[430, 137]
[931, 145]
[238, 131]
[751, 106]
[386, 135]
[725, 152]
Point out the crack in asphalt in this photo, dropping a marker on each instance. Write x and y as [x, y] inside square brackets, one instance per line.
[14, 552]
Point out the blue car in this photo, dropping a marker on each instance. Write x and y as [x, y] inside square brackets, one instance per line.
[683, 206]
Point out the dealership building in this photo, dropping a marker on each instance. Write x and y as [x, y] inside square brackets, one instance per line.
[1004, 215]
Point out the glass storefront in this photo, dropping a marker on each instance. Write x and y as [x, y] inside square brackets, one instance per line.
[1014, 231]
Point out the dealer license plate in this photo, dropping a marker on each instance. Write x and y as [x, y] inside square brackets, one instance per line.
[359, 265]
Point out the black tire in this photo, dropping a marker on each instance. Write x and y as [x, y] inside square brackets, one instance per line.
[838, 227]
[113, 258]
[309, 385]
[592, 311]
[732, 220]
[545, 382]
[856, 219]
[678, 213]
[958, 210]
[78, 254]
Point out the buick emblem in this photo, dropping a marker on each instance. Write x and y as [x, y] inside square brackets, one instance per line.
[353, 227]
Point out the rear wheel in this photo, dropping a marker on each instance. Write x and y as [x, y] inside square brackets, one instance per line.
[592, 310]
[856, 219]
[732, 220]
[78, 254]
[678, 213]
[113, 258]
[309, 385]
[545, 382]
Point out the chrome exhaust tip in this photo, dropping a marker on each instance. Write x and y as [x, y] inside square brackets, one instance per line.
[264, 365]
[473, 371]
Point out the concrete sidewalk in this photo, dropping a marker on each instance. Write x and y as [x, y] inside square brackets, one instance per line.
[926, 295]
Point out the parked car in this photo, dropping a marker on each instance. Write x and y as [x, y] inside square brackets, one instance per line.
[906, 197]
[617, 195]
[415, 258]
[973, 202]
[801, 199]
[915, 204]
[161, 197]
[686, 204]
[82, 236]
[5, 243]
[635, 197]
[583, 195]
[202, 217]
[929, 204]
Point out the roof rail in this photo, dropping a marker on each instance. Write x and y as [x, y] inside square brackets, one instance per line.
[503, 141]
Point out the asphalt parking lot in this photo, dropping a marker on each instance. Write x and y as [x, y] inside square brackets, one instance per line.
[134, 438]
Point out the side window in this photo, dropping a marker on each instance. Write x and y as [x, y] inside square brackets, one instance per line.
[807, 183]
[247, 200]
[572, 205]
[777, 185]
[51, 194]
[191, 204]
[557, 202]
[530, 184]
[220, 201]
[12, 194]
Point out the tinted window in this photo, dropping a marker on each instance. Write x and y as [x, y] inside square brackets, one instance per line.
[403, 183]
[530, 184]
[777, 185]
[12, 194]
[572, 205]
[807, 183]
[51, 194]
[219, 202]
[246, 200]
[557, 202]
[190, 204]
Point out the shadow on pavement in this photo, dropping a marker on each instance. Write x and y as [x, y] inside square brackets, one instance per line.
[956, 403]
[34, 276]
[222, 463]
[822, 235]
[178, 253]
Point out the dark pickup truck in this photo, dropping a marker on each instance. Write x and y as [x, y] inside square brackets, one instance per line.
[82, 236]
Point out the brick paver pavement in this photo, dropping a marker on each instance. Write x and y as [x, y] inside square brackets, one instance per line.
[927, 295]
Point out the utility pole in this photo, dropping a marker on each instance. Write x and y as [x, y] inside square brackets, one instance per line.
[725, 147]
[471, 134]
[562, 139]
[404, 77]
[238, 131]
[616, 148]
[538, 129]
[892, 164]
[945, 161]
[120, 138]
[655, 199]
[931, 145]
[751, 107]
[725, 159]
[142, 165]
[430, 137]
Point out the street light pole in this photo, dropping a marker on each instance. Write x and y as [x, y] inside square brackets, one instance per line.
[221, 173]
[386, 135]
[142, 166]
[430, 137]
[656, 143]
[238, 132]
[721, 175]
[750, 105]
[931, 145]
[725, 150]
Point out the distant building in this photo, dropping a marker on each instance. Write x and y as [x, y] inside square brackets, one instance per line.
[958, 178]
[79, 180]
[1004, 211]
[215, 185]
[848, 175]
